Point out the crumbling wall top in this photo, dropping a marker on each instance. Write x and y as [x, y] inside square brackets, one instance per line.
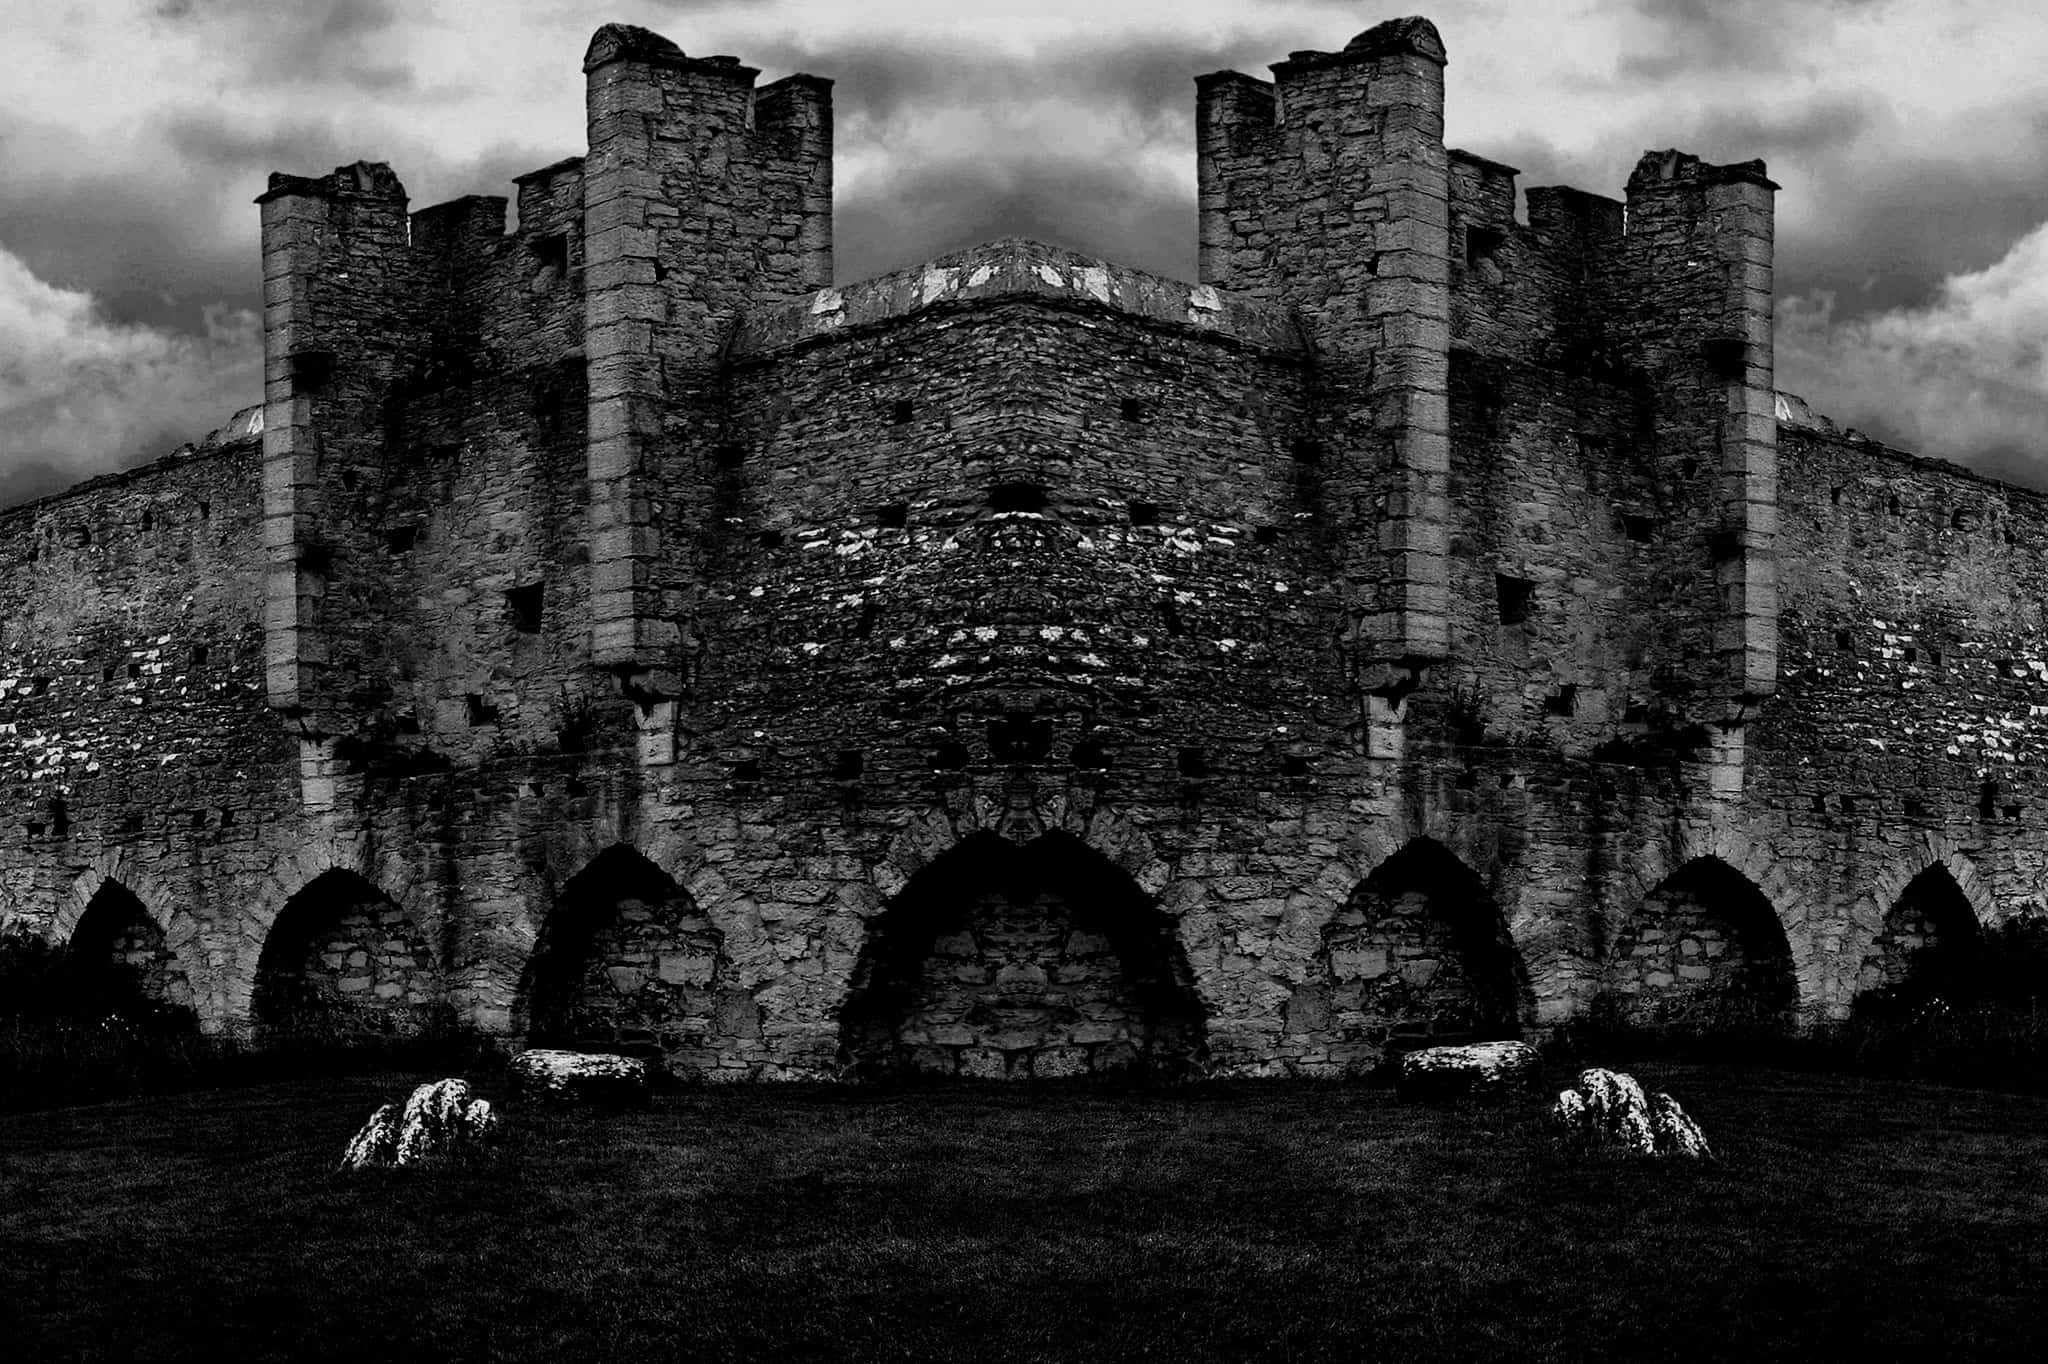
[1019, 268]
[629, 42]
[1671, 168]
[1411, 36]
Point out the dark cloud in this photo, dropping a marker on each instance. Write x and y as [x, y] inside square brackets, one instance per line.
[24, 480]
[879, 83]
[1891, 242]
[1714, 35]
[1075, 203]
[329, 43]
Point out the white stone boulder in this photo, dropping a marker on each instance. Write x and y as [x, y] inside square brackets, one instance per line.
[1609, 1113]
[1477, 1070]
[550, 1076]
[439, 1122]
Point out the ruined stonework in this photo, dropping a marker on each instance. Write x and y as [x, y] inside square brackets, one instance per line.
[1430, 626]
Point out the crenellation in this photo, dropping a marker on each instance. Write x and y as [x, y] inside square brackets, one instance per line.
[1428, 624]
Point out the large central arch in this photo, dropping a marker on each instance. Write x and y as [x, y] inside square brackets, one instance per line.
[1005, 962]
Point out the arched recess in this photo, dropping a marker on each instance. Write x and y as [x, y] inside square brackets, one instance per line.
[1703, 953]
[626, 961]
[1002, 961]
[343, 961]
[120, 955]
[1928, 941]
[1418, 955]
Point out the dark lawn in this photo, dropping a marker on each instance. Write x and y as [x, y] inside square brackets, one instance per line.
[1255, 1221]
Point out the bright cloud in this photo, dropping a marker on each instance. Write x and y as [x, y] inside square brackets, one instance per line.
[1965, 376]
[81, 395]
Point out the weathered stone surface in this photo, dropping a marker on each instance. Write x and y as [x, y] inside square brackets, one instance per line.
[1609, 1114]
[1430, 623]
[547, 1075]
[1474, 1070]
[438, 1122]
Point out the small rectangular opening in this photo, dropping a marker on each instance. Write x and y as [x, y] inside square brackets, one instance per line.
[1727, 357]
[893, 515]
[1017, 497]
[901, 411]
[1482, 246]
[523, 604]
[1516, 598]
[401, 539]
[551, 252]
[1132, 409]
[312, 370]
[1563, 701]
[1144, 513]
[1639, 528]
[480, 711]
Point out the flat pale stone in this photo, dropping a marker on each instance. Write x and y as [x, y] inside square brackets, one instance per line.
[549, 1074]
[1475, 1069]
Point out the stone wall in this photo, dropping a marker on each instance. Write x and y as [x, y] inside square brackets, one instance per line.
[1427, 625]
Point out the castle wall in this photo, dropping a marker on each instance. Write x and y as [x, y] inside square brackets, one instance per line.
[134, 739]
[624, 635]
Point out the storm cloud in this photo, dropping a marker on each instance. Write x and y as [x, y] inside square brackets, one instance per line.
[1908, 138]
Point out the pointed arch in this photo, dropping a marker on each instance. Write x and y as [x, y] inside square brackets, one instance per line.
[999, 960]
[122, 953]
[1703, 952]
[1418, 954]
[1933, 850]
[288, 877]
[626, 960]
[341, 960]
[1927, 942]
[115, 865]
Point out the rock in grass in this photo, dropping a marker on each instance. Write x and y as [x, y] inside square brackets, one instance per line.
[1608, 1113]
[1479, 1070]
[548, 1076]
[439, 1122]
[376, 1146]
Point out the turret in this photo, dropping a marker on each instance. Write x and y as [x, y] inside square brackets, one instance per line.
[1328, 190]
[702, 196]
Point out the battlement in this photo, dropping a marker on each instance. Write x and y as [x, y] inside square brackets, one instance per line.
[1012, 269]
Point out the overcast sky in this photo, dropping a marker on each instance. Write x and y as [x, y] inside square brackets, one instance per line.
[1911, 139]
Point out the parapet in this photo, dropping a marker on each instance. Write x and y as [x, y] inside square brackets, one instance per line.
[1413, 36]
[1012, 269]
[1673, 169]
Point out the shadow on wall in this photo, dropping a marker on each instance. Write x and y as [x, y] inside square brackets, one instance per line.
[1038, 962]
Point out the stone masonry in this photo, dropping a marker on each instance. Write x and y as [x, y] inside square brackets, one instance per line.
[1430, 625]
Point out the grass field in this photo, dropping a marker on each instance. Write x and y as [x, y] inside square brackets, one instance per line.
[1256, 1221]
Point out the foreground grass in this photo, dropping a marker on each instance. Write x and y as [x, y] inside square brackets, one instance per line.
[1235, 1222]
